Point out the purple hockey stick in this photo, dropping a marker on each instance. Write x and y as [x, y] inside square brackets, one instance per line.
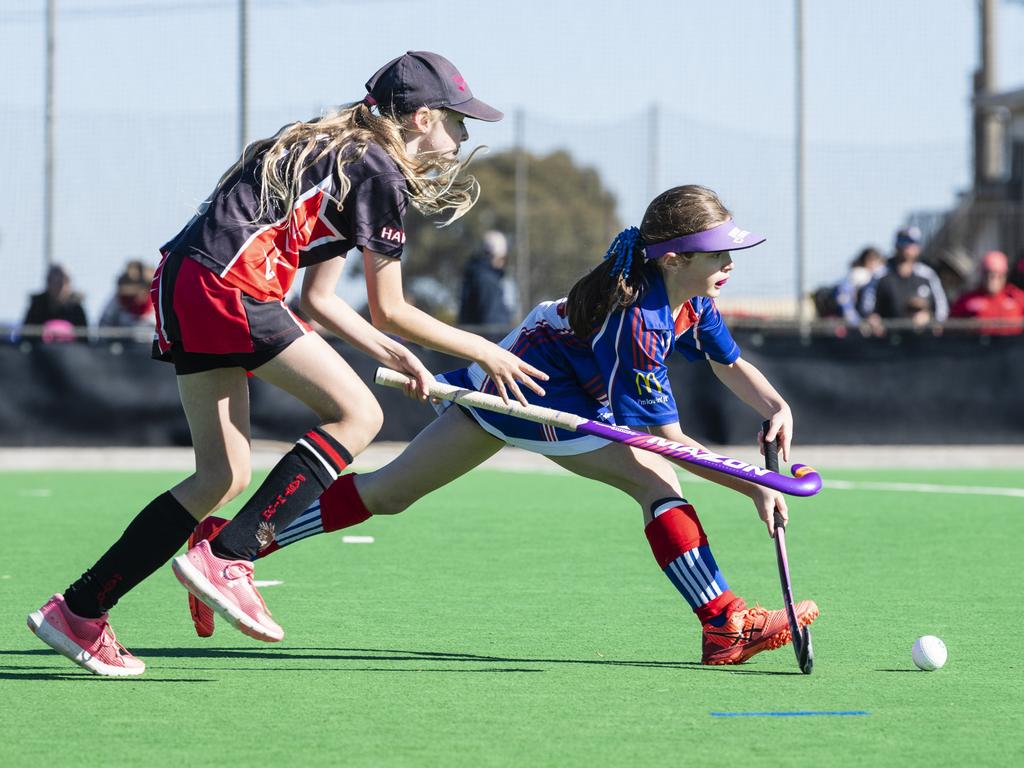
[801, 636]
[805, 481]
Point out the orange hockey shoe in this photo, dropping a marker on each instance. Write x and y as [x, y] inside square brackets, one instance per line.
[748, 631]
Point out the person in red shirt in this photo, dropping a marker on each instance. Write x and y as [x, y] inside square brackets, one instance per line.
[995, 299]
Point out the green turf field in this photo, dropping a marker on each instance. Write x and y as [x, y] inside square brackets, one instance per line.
[519, 619]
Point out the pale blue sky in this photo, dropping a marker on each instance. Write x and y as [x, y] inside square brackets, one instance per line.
[146, 106]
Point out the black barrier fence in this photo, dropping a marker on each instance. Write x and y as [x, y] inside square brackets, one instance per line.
[901, 390]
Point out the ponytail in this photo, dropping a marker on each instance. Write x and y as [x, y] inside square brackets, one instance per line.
[616, 282]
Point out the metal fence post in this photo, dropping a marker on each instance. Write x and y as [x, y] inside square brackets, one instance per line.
[522, 214]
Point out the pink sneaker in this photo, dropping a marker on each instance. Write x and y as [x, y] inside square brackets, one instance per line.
[202, 614]
[90, 643]
[226, 586]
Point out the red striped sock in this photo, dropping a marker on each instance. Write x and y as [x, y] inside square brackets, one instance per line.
[681, 548]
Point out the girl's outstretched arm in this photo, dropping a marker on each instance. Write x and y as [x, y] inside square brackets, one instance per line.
[750, 385]
[392, 313]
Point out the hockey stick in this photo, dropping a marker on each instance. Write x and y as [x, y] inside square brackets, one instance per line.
[801, 636]
[805, 481]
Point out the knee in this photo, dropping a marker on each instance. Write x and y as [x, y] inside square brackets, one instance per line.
[371, 418]
[221, 487]
[238, 482]
[359, 422]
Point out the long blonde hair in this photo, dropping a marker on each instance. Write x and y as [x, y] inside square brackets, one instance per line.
[434, 185]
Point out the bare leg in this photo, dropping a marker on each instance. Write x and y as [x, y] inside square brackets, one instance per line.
[643, 475]
[447, 449]
[216, 405]
[677, 539]
[314, 373]
[310, 370]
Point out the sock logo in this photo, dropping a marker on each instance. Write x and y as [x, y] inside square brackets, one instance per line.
[265, 535]
[291, 488]
[112, 582]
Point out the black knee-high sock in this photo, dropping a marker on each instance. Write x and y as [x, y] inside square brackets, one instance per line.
[293, 484]
[149, 541]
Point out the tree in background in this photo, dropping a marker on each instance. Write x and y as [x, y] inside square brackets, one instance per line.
[571, 219]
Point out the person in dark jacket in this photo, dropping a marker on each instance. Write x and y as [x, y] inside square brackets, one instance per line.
[905, 289]
[483, 284]
[58, 308]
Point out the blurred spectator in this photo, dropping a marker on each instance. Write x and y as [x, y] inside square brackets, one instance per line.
[58, 309]
[483, 289]
[994, 299]
[905, 288]
[130, 305]
[848, 292]
[955, 269]
[1017, 275]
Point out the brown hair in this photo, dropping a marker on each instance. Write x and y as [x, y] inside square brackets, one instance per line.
[620, 280]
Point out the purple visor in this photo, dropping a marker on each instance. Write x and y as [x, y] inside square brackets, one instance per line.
[724, 237]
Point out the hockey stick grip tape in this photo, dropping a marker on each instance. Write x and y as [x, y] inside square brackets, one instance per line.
[771, 462]
[472, 398]
[771, 450]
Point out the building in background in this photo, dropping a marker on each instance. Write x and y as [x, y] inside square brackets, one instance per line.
[990, 215]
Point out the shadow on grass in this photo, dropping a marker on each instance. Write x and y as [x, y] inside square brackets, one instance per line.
[350, 670]
[391, 655]
[9, 673]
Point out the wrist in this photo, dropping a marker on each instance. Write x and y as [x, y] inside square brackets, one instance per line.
[390, 350]
[480, 349]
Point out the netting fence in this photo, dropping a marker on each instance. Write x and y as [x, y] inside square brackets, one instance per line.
[128, 177]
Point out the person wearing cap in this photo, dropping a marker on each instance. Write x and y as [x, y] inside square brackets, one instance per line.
[130, 306]
[994, 300]
[301, 199]
[905, 288]
[607, 346]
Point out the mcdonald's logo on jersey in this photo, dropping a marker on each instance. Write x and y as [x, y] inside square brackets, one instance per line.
[647, 381]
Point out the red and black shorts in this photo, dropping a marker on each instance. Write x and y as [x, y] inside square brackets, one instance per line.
[202, 323]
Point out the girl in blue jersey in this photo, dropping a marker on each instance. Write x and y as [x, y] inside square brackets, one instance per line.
[606, 349]
[301, 199]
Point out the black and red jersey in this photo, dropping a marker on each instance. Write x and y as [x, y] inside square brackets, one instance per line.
[261, 258]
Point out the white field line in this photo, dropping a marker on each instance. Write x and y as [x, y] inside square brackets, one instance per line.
[970, 490]
[266, 454]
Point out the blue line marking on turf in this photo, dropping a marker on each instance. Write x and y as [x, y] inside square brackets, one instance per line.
[798, 713]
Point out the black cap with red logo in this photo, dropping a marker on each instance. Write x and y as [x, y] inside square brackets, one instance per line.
[424, 79]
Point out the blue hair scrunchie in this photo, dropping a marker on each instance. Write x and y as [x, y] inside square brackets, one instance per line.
[621, 250]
